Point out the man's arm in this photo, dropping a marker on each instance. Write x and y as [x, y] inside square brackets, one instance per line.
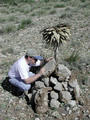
[35, 77]
[44, 61]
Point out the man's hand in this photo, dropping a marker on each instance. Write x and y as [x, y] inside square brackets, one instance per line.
[48, 59]
[42, 71]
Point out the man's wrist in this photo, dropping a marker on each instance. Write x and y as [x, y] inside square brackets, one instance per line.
[40, 74]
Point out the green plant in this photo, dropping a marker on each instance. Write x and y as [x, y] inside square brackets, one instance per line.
[2, 20]
[73, 57]
[41, 12]
[9, 28]
[52, 12]
[82, 0]
[47, 7]
[4, 11]
[46, 1]
[11, 18]
[65, 0]
[8, 50]
[15, 2]
[82, 78]
[59, 6]
[64, 15]
[55, 36]
[27, 10]
[33, 14]
[24, 23]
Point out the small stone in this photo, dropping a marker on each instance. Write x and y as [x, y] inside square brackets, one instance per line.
[39, 84]
[37, 119]
[54, 103]
[67, 108]
[1, 39]
[30, 96]
[72, 103]
[53, 80]
[88, 68]
[65, 96]
[70, 89]
[70, 111]
[33, 92]
[56, 115]
[81, 101]
[21, 34]
[54, 95]
[65, 86]
[58, 87]
[63, 114]
[76, 118]
[75, 108]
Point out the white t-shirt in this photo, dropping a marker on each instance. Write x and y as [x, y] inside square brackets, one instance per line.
[20, 69]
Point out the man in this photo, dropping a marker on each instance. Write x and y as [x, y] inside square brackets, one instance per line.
[20, 75]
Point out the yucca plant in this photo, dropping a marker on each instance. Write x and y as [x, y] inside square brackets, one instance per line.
[54, 36]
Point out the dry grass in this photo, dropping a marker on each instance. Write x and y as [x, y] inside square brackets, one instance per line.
[24, 23]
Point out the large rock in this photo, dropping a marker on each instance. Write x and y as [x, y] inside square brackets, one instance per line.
[41, 100]
[39, 84]
[49, 67]
[58, 87]
[53, 80]
[65, 96]
[54, 95]
[54, 103]
[70, 89]
[62, 72]
[77, 91]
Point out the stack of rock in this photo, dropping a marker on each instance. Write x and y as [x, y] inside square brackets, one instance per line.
[62, 88]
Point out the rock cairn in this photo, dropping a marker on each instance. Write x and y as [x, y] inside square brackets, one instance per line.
[56, 87]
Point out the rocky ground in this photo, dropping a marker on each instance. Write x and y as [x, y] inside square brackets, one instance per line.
[20, 27]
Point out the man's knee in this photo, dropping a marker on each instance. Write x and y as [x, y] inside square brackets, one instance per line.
[11, 81]
[27, 87]
[20, 84]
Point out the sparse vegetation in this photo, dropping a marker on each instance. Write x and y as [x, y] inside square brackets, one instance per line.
[41, 12]
[12, 18]
[15, 2]
[24, 23]
[64, 15]
[2, 20]
[9, 28]
[8, 50]
[59, 5]
[74, 57]
[52, 12]
[82, 0]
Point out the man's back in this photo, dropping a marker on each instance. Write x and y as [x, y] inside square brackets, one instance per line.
[19, 69]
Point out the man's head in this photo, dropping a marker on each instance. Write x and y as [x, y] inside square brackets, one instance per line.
[32, 56]
[30, 59]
